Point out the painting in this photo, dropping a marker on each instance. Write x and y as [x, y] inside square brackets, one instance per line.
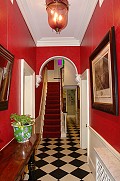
[103, 74]
[6, 63]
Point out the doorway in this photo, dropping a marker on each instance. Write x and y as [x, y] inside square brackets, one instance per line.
[71, 104]
[27, 89]
[84, 110]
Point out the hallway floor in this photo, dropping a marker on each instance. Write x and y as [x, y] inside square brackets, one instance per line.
[62, 159]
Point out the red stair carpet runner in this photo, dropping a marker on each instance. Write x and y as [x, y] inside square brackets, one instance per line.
[52, 121]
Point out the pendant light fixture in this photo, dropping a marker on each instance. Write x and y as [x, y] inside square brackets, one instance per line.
[57, 14]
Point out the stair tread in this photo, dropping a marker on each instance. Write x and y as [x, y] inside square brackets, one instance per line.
[52, 122]
[58, 120]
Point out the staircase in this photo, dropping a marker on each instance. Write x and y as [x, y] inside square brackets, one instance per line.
[52, 121]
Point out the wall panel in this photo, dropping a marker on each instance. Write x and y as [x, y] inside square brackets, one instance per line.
[107, 125]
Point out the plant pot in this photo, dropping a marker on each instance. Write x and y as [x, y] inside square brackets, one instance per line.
[22, 133]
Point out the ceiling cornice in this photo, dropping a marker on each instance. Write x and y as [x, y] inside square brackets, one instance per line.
[30, 23]
[66, 41]
[85, 19]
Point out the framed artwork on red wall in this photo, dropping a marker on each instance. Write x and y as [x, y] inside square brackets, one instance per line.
[6, 64]
[103, 73]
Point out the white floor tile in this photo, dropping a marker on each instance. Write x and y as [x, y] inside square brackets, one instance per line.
[69, 178]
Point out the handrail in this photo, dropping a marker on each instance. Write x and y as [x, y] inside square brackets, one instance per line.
[63, 109]
[43, 101]
[61, 88]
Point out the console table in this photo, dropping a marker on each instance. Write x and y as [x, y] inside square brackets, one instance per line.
[14, 158]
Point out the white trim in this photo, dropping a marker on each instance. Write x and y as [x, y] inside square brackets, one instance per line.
[56, 57]
[32, 26]
[39, 77]
[101, 2]
[97, 141]
[69, 87]
[12, 1]
[59, 41]
[86, 19]
[27, 72]
[22, 86]
[106, 144]
[84, 115]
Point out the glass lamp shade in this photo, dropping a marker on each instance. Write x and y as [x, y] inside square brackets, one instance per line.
[57, 14]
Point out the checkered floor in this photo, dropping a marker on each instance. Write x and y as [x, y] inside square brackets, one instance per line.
[62, 159]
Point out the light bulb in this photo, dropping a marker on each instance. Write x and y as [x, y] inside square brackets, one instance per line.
[60, 17]
[52, 12]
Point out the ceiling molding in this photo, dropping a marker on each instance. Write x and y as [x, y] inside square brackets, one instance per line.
[27, 16]
[58, 41]
[86, 18]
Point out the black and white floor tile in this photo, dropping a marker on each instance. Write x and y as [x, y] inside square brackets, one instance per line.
[62, 159]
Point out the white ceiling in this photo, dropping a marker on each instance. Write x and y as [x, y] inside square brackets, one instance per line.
[35, 15]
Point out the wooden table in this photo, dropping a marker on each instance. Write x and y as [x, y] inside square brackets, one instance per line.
[14, 158]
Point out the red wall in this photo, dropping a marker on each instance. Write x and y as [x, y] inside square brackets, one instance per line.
[50, 65]
[15, 37]
[44, 53]
[107, 125]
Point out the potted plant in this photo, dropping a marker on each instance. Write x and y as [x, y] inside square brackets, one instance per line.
[22, 125]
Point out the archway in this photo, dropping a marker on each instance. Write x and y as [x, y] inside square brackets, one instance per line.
[69, 90]
[39, 77]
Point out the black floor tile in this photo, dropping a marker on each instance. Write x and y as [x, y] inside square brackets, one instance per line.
[58, 173]
[46, 144]
[74, 154]
[58, 149]
[72, 143]
[58, 144]
[44, 149]
[39, 173]
[42, 155]
[73, 148]
[40, 163]
[58, 163]
[79, 173]
[58, 155]
[77, 162]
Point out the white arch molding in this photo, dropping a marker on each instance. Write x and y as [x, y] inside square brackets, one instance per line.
[39, 77]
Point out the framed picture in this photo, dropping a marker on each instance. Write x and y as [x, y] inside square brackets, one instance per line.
[103, 74]
[6, 64]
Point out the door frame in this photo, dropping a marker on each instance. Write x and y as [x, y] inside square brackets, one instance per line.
[84, 101]
[27, 73]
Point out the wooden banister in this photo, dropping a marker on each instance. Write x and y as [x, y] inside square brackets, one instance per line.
[61, 82]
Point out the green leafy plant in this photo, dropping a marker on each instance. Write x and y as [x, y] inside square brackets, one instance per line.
[21, 120]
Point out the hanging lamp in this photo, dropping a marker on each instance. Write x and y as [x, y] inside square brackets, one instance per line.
[57, 14]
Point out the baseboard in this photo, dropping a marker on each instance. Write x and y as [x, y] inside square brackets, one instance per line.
[91, 165]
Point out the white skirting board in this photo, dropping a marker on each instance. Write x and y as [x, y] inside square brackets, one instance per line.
[96, 141]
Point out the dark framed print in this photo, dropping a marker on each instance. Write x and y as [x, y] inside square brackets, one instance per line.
[6, 64]
[103, 74]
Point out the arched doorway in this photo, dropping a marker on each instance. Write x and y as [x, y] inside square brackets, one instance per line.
[38, 77]
[71, 83]
[70, 88]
